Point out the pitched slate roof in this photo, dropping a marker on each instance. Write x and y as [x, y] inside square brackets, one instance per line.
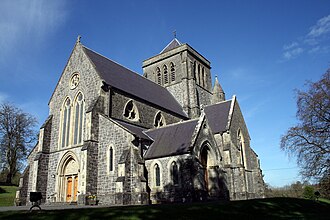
[138, 131]
[218, 116]
[128, 81]
[171, 140]
[173, 44]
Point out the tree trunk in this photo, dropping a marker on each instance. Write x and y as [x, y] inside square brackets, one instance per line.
[9, 178]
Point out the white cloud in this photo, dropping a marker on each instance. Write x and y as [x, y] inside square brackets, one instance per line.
[293, 53]
[311, 42]
[290, 46]
[21, 21]
[322, 27]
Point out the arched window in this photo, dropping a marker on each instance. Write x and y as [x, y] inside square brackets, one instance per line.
[203, 77]
[172, 72]
[165, 74]
[78, 119]
[131, 111]
[159, 76]
[199, 75]
[195, 70]
[159, 120]
[111, 159]
[65, 123]
[157, 175]
[240, 143]
[174, 173]
[204, 162]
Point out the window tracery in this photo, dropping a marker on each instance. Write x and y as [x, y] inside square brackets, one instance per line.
[74, 81]
[159, 120]
[131, 111]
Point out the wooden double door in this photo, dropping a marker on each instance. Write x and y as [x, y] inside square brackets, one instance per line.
[71, 188]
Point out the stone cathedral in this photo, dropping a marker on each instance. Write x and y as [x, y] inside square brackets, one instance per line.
[167, 136]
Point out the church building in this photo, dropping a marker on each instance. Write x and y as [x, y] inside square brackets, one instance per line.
[167, 136]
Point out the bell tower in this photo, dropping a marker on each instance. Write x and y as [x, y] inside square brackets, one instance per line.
[185, 73]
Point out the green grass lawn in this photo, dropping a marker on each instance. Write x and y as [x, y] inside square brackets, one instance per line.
[7, 195]
[272, 208]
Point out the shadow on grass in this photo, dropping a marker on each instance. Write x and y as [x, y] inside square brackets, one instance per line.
[273, 208]
[2, 190]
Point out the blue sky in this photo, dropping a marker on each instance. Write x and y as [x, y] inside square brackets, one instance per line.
[260, 50]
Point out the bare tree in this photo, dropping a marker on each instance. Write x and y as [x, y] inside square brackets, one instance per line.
[17, 135]
[310, 139]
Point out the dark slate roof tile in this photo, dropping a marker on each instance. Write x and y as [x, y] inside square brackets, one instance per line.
[173, 44]
[171, 140]
[138, 131]
[128, 81]
[218, 115]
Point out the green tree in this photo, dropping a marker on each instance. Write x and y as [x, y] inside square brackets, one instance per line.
[324, 186]
[309, 140]
[309, 192]
[17, 136]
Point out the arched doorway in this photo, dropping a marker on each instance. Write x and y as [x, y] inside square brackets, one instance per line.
[68, 180]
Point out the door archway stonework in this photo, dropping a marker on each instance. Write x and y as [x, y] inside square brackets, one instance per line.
[68, 178]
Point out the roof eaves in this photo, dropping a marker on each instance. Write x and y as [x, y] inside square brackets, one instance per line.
[231, 112]
[197, 130]
[162, 156]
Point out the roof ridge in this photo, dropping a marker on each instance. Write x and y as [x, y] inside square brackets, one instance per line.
[111, 60]
[103, 67]
[173, 124]
[125, 68]
[218, 103]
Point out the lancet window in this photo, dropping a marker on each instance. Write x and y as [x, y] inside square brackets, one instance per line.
[65, 123]
[174, 173]
[165, 74]
[111, 159]
[157, 175]
[78, 119]
[172, 72]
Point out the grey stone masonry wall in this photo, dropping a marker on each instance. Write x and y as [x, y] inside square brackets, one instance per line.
[132, 179]
[168, 191]
[92, 167]
[147, 112]
[47, 130]
[52, 194]
[204, 96]
[188, 67]
[89, 85]
[23, 187]
[217, 180]
[191, 185]
[114, 136]
[31, 174]
[42, 176]
[240, 175]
